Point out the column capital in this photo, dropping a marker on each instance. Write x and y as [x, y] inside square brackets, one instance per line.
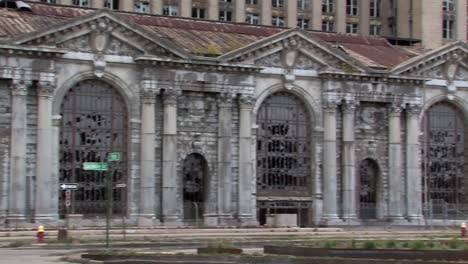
[413, 110]
[224, 100]
[45, 89]
[148, 96]
[170, 96]
[246, 101]
[349, 107]
[19, 87]
[395, 109]
[329, 106]
[56, 120]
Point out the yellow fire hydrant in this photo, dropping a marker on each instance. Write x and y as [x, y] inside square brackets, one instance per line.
[40, 234]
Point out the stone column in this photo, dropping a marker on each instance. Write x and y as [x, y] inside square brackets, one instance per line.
[291, 13]
[55, 154]
[185, 8]
[170, 204]
[148, 159]
[239, 11]
[246, 174]
[265, 13]
[156, 7]
[340, 16]
[349, 162]
[364, 17]
[413, 171]
[330, 206]
[97, 4]
[224, 155]
[394, 163]
[213, 9]
[460, 20]
[66, 2]
[126, 5]
[316, 15]
[44, 165]
[17, 183]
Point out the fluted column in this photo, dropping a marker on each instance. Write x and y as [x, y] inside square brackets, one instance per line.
[44, 165]
[17, 183]
[330, 206]
[239, 11]
[394, 164]
[170, 204]
[349, 161]
[413, 171]
[245, 210]
[224, 155]
[148, 159]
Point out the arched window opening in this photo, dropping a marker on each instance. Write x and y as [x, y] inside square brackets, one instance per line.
[368, 177]
[94, 123]
[195, 185]
[444, 184]
[283, 156]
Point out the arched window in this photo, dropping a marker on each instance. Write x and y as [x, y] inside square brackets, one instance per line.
[445, 185]
[368, 177]
[283, 155]
[94, 123]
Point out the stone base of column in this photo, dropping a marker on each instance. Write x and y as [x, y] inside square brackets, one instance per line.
[147, 220]
[45, 218]
[330, 220]
[351, 220]
[415, 219]
[246, 220]
[15, 220]
[317, 210]
[210, 220]
[171, 220]
[226, 220]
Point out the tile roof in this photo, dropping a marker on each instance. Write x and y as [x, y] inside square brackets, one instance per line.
[202, 37]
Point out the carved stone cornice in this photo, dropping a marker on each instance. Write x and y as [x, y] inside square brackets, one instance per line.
[329, 106]
[170, 96]
[224, 100]
[19, 87]
[45, 89]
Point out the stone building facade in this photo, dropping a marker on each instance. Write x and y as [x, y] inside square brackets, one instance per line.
[224, 124]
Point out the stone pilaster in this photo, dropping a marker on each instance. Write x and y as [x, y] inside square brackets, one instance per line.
[126, 5]
[44, 210]
[213, 9]
[413, 171]
[245, 210]
[17, 182]
[171, 206]
[156, 7]
[185, 7]
[97, 4]
[330, 206]
[316, 15]
[348, 162]
[239, 11]
[148, 159]
[395, 205]
[265, 12]
[224, 155]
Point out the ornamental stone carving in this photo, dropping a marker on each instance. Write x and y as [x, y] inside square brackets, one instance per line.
[148, 96]
[46, 89]
[170, 96]
[224, 100]
[246, 101]
[413, 110]
[349, 107]
[19, 88]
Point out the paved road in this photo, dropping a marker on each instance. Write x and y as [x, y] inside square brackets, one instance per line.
[33, 256]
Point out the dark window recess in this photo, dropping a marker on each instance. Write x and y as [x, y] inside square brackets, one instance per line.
[195, 179]
[94, 123]
[368, 175]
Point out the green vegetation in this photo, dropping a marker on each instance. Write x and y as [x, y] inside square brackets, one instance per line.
[443, 244]
[219, 245]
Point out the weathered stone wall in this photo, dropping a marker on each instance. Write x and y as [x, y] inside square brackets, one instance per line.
[5, 125]
[31, 149]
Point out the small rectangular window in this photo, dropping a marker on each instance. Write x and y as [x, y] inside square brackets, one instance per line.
[352, 28]
[328, 6]
[170, 10]
[141, 7]
[251, 2]
[225, 15]
[375, 8]
[303, 23]
[303, 4]
[374, 30]
[49, 1]
[277, 3]
[448, 5]
[198, 12]
[112, 4]
[251, 18]
[277, 21]
[352, 7]
[328, 26]
[83, 3]
[448, 28]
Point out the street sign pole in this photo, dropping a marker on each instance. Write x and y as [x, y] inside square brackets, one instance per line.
[107, 207]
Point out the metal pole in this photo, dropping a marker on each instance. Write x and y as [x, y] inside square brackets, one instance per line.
[107, 207]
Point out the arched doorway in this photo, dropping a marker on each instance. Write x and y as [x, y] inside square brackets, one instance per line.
[367, 189]
[94, 123]
[445, 185]
[195, 174]
[284, 158]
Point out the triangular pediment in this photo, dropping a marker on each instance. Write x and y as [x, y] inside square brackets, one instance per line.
[292, 49]
[104, 32]
[448, 62]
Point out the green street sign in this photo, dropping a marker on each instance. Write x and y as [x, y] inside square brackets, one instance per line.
[97, 166]
[114, 156]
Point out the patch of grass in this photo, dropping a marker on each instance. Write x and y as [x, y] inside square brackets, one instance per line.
[418, 245]
[369, 245]
[330, 244]
[353, 244]
[455, 243]
[390, 244]
[219, 244]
